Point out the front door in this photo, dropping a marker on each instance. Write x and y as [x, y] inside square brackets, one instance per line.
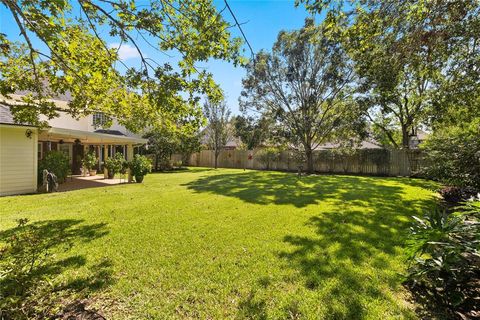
[77, 158]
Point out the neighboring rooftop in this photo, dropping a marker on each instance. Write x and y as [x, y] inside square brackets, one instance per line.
[363, 145]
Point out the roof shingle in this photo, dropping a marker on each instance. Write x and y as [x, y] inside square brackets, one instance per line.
[6, 117]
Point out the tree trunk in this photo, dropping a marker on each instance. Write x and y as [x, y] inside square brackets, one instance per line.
[216, 158]
[309, 155]
[405, 138]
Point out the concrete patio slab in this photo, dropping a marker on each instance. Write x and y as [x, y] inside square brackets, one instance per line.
[81, 182]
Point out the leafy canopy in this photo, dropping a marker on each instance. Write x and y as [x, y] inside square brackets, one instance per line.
[416, 60]
[219, 129]
[62, 52]
[252, 131]
[304, 84]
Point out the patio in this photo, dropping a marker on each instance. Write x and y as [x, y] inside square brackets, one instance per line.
[77, 182]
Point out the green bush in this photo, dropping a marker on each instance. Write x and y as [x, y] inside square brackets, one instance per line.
[89, 160]
[26, 290]
[267, 156]
[115, 164]
[140, 166]
[454, 158]
[56, 162]
[178, 163]
[164, 164]
[444, 254]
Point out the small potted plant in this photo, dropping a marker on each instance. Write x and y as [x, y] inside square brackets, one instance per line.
[140, 166]
[89, 162]
[114, 164]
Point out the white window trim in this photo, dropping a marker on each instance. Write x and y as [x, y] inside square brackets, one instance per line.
[70, 150]
[101, 119]
[40, 150]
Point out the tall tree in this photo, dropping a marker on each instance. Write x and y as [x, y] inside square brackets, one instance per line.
[162, 143]
[61, 50]
[188, 144]
[303, 84]
[218, 130]
[415, 59]
[252, 131]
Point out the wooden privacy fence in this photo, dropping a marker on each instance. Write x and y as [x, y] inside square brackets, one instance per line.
[365, 161]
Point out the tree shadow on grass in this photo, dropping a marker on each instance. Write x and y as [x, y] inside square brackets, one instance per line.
[53, 230]
[356, 254]
[252, 307]
[184, 170]
[261, 187]
[41, 290]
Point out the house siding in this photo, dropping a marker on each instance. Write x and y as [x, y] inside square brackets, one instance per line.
[18, 160]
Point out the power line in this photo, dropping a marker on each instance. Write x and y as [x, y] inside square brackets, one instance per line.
[240, 28]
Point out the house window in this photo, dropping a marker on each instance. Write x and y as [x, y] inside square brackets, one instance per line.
[99, 119]
[66, 149]
[40, 151]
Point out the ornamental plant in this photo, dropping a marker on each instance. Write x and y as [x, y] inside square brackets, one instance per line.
[444, 255]
[56, 162]
[115, 164]
[140, 166]
[27, 260]
[453, 158]
[89, 160]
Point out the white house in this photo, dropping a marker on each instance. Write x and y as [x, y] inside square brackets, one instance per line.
[23, 145]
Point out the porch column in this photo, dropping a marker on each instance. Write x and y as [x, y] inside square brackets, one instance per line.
[105, 156]
[85, 151]
[130, 158]
[99, 157]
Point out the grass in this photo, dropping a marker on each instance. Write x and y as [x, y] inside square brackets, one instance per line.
[225, 243]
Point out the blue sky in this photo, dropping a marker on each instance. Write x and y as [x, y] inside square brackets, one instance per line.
[263, 20]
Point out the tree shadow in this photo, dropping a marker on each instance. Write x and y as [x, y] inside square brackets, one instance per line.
[184, 170]
[260, 187]
[53, 231]
[42, 289]
[356, 254]
[252, 307]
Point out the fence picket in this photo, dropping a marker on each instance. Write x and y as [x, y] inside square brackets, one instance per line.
[367, 161]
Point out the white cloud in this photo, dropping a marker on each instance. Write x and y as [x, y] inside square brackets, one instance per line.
[126, 51]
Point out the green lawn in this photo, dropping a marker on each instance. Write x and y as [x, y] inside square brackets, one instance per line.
[215, 244]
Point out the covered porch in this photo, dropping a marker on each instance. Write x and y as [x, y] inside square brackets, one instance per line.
[75, 144]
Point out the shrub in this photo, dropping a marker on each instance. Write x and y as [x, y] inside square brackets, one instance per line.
[115, 164]
[164, 164]
[444, 258]
[26, 291]
[140, 166]
[89, 160]
[268, 155]
[455, 195]
[178, 163]
[453, 158]
[56, 162]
